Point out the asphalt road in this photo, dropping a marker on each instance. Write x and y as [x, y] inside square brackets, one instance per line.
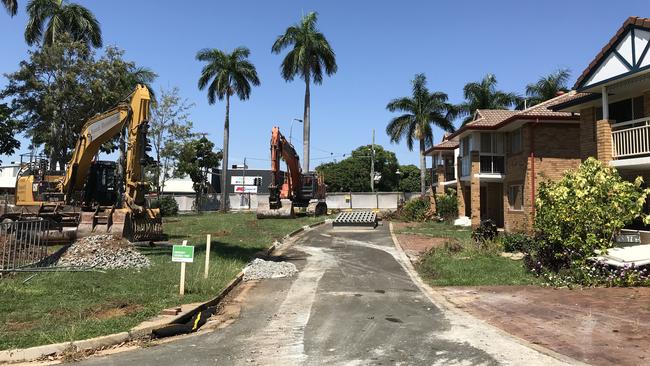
[352, 303]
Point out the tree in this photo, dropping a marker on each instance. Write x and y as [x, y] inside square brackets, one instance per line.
[548, 87]
[311, 53]
[11, 6]
[61, 86]
[351, 174]
[8, 130]
[197, 159]
[170, 130]
[484, 95]
[420, 111]
[50, 19]
[410, 178]
[225, 75]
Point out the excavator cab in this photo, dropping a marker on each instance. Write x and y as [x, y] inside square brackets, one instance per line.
[101, 186]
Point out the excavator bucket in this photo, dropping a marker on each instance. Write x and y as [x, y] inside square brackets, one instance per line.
[285, 211]
[122, 223]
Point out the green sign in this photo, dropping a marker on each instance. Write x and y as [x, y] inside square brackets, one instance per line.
[183, 253]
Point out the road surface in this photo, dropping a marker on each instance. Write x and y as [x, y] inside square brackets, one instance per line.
[353, 302]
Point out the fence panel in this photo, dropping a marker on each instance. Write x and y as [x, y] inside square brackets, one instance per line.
[22, 243]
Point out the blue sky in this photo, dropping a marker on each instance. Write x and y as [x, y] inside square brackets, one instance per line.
[379, 45]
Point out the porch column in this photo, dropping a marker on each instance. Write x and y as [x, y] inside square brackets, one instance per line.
[475, 190]
[460, 189]
[604, 143]
[440, 174]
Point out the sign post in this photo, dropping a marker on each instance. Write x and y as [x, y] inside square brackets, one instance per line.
[183, 254]
[207, 256]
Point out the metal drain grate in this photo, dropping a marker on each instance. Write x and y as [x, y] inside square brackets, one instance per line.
[356, 218]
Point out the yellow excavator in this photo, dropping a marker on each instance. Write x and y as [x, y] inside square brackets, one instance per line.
[85, 195]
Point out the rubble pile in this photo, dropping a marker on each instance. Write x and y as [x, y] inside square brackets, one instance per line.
[260, 268]
[103, 251]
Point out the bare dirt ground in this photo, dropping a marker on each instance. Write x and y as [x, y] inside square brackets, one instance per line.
[600, 326]
[416, 245]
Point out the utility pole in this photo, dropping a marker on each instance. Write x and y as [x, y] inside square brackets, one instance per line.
[372, 164]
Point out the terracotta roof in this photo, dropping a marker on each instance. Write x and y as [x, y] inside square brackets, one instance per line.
[495, 118]
[574, 99]
[629, 22]
[446, 144]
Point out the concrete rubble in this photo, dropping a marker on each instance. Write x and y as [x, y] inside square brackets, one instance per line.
[259, 269]
[103, 252]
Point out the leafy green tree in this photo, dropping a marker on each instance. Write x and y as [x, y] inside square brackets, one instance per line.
[11, 6]
[224, 75]
[410, 178]
[197, 160]
[420, 111]
[60, 87]
[310, 54]
[548, 87]
[353, 173]
[51, 19]
[170, 130]
[580, 213]
[484, 95]
[8, 131]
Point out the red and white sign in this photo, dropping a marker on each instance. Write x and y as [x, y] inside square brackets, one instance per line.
[245, 189]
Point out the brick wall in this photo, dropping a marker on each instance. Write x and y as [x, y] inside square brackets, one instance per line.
[475, 190]
[587, 132]
[553, 157]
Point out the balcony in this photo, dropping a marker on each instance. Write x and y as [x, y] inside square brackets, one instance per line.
[631, 139]
[489, 164]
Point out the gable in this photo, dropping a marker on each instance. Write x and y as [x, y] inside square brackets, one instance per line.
[624, 56]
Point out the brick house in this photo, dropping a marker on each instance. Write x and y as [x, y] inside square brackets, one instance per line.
[614, 102]
[502, 156]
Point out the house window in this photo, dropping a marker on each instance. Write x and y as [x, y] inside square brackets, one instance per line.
[515, 141]
[624, 110]
[516, 197]
[491, 143]
[465, 146]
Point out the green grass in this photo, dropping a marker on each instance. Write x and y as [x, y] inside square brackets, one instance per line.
[465, 264]
[58, 307]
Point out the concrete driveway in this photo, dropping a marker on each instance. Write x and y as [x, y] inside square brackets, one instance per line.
[354, 302]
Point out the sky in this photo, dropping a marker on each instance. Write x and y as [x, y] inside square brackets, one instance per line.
[379, 45]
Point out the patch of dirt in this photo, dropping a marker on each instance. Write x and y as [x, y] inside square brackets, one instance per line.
[115, 309]
[416, 245]
[14, 326]
[600, 326]
[221, 233]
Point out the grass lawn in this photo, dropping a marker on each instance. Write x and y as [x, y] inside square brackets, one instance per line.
[58, 307]
[466, 265]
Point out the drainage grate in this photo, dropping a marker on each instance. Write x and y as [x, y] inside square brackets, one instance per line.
[356, 218]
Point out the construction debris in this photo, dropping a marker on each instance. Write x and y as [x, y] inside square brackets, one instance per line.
[259, 269]
[103, 251]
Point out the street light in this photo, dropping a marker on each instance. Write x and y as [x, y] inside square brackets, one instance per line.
[291, 128]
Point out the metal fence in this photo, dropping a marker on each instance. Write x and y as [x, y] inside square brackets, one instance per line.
[22, 243]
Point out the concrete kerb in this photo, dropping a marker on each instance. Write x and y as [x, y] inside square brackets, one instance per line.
[35, 353]
[442, 302]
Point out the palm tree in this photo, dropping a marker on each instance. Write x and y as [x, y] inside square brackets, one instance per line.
[11, 6]
[311, 53]
[421, 111]
[548, 87]
[484, 95]
[48, 19]
[226, 74]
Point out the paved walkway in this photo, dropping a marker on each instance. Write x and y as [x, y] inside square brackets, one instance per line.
[352, 303]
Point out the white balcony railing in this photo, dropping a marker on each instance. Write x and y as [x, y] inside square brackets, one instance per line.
[631, 138]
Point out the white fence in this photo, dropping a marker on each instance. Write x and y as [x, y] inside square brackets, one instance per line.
[385, 201]
[631, 138]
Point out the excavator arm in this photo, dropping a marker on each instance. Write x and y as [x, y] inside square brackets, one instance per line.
[282, 149]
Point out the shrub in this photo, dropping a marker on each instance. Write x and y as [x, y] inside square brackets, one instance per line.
[168, 206]
[416, 209]
[486, 232]
[447, 205]
[580, 213]
[516, 242]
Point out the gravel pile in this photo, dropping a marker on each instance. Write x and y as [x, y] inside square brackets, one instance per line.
[260, 268]
[103, 251]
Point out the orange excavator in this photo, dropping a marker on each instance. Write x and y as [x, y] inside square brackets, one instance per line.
[296, 189]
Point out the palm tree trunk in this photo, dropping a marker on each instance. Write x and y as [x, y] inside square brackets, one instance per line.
[305, 128]
[224, 162]
[423, 169]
